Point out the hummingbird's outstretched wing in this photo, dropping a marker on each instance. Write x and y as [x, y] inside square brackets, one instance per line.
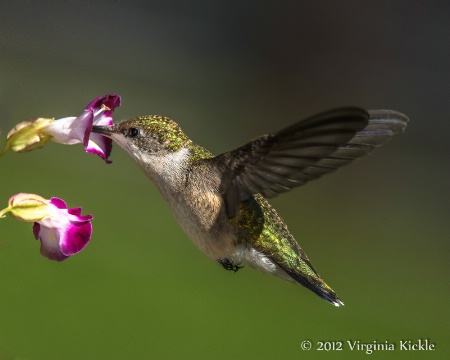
[318, 145]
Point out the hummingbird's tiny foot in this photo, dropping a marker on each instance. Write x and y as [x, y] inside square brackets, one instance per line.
[228, 265]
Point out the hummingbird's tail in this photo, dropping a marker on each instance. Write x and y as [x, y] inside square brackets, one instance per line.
[317, 285]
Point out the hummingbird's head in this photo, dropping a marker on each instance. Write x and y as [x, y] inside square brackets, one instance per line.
[157, 144]
[146, 135]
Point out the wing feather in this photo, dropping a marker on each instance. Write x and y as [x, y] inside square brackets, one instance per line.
[304, 151]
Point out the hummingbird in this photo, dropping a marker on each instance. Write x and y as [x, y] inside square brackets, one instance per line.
[221, 201]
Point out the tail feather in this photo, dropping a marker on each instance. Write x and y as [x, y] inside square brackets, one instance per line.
[316, 285]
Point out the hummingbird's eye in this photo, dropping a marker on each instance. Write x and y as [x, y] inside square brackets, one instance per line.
[133, 132]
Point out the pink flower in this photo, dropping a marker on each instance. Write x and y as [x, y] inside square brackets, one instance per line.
[61, 231]
[32, 134]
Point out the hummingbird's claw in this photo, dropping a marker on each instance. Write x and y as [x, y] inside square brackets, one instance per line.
[228, 265]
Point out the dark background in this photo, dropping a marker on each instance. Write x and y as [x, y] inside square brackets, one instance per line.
[228, 71]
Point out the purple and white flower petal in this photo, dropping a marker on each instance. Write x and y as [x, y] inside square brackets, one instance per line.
[62, 231]
[70, 130]
[73, 130]
[103, 108]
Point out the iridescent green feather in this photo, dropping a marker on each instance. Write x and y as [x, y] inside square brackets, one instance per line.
[260, 226]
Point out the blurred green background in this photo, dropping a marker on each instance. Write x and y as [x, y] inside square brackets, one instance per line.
[228, 71]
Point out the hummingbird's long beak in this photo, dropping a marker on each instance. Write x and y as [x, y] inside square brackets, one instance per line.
[107, 131]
